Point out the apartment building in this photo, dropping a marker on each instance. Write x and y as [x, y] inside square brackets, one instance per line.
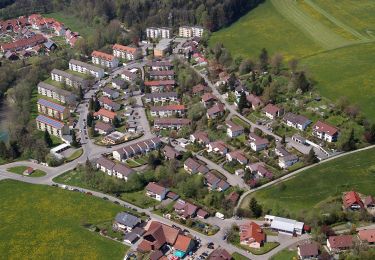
[85, 68]
[58, 94]
[104, 59]
[52, 109]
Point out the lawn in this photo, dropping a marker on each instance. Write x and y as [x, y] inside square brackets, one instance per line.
[74, 155]
[330, 179]
[72, 22]
[265, 27]
[348, 72]
[40, 222]
[285, 254]
[139, 199]
[238, 256]
[21, 169]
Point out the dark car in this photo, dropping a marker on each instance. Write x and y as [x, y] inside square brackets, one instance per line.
[105, 198]
[116, 202]
[55, 185]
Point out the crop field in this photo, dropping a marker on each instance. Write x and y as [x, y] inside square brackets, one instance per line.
[334, 40]
[40, 222]
[311, 188]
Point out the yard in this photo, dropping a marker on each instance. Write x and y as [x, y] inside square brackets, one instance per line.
[76, 154]
[285, 254]
[298, 196]
[139, 199]
[21, 169]
[53, 228]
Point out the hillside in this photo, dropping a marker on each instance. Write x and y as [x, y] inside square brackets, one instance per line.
[333, 39]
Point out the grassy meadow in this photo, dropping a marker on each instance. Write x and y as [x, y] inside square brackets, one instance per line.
[311, 188]
[72, 22]
[40, 222]
[20, 170]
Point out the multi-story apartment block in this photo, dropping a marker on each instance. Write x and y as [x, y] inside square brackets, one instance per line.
[69, 79]
[125, 52]
[104, 59]
[190, 31]
[52, 109]
[85, 68]
[58, 94]
[159, 32]
[53, 126]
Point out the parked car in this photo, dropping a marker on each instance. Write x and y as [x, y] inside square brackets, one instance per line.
[105, 198]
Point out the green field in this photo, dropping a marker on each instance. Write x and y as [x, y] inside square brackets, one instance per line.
[40, 222]
[72, 22]
[333, 39]
[21, 169]
[74, 155]
[285, 254]
[311, 188]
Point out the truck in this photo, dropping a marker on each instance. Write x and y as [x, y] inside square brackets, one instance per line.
[219, 215]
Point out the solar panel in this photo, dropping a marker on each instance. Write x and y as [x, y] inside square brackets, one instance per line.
[49, 121]
[52, 105]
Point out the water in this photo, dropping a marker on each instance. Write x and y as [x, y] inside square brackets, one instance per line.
[3, 118]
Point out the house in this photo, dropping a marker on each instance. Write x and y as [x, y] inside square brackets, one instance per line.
[215, 183]
[128, 75]
[192, 166]
[339, 243]
[28, 171]
[85, 68]
[105, 165]
[161, 74]
[183, 246]
[257, 143]
[296, 121]
[109, 104]
[299, 139]
[284, 225]
[156, 191]
[161, 97]
[190, 31]
[238, 156]
[200, 138]
[208, 99]
[160, 85]
[23, 43]
[325, 131]
[110, 93]
[218, 147]
[118, 83]
[172, 195]
[259, 170]
[171, 123]
[200, 89]
[160, 65]
[308, 250]
[58, 94]
[220, 254]
[158, 32]
[233, 130]
[105, 115]
[53, 126]
[168, 110]
[122, 171]
[271, 111]
[252, 235]
[103, 128]
[185, 209]
[141, 147]
[134, 235]
[287, 161]
[215, 111]
[125, 52]
[281, 151]
[170, 153]
[233, 197]
[104, 59]
[255, 101]
[113, 138]
[351, 200]
[69, 79]
[158, 235]
[126, 222]
[202, 214]
[52, 109]
[367, 235]
[369, 202]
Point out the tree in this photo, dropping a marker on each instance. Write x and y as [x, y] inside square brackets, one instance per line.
[276, 63]
[263, 60]
[311, 157]
[74, 139]
[81, 93]
[293, 64]
[3, 150]
[283, 139]
[47, 139]
[301, 82]
[242, 103]
[91, 104]
[89, 119]
[116, 122]
[255, 208]
[370, 134]
[246, 66]
[96, 105]
[350, 143]
[13, 151]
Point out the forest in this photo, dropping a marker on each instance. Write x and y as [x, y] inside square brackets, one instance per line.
[212, 14]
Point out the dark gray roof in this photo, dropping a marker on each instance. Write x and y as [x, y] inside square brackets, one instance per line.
[119, 82]
[127, 219]
[131, 237]
[124, 170]
[65, 74]
[296, 119]
[55, 89]
[49, 44]
[86, 65]
[109, 91]
[108, 164]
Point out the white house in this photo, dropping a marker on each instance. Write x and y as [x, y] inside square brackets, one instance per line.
[296, 121]
[156, 191]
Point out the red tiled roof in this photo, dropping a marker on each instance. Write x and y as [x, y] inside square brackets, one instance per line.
[252, 232]
[351, 198]
[105, 113]
[102, 55]
[343, 241]
[155, 188]
[159, 83]
[309, 249]
[124, 48]
[24, 43]
[271, 109]
[208, 96]
[168, 107]
[326, 128]
[182, 243]
[367, 235]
